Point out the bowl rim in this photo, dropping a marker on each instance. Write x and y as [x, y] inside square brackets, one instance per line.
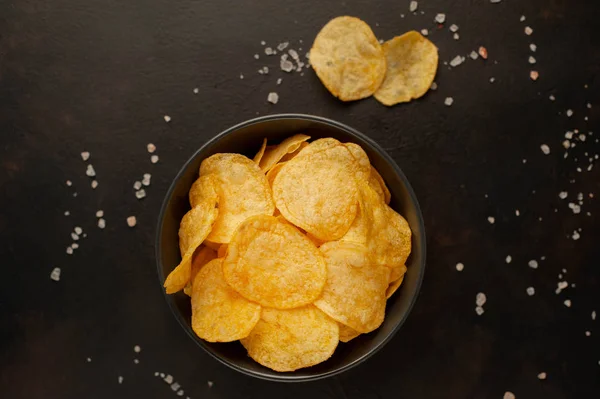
[291, 377]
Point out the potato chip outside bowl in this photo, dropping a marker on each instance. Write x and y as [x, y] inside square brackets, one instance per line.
[246, 138]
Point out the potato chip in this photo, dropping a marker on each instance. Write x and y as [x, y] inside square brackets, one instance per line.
[396, 272]
[291, 155]
[412, 61]
[201, 256]
[381, 229]
[348, 58]
[317, 191]
[194, 228]
[274, 153]
[219, 314]
[204, 189]
[288, 340]
[212, 245]
[260, 152]
[272, 263]
[363, 170]
[394, 285]
[355, 290]
[376, 182]
[346, 333]
[222, 251]
[243, 192]
[272, 173]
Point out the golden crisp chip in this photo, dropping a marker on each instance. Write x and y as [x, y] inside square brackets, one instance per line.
[348, 58]
[222, 251]
[381, 229]
[291, 155]
[194, 228]
[396, 272]
[317, 190]
[288, 340]
[363, 170]
[272, 263]
[243, 192]
[347, 333]
[394, 285]
[272, 173]
[355, 290]
[212, 245]
[412, 61]
[204, 189]
[219, 314]
[201, 256]
[260, 152]
[376, 182]
[274, 153]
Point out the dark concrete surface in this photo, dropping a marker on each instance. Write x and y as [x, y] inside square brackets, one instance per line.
[99, 76]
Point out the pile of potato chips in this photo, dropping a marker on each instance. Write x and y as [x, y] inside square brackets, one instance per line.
[353, 65]
[291, 252]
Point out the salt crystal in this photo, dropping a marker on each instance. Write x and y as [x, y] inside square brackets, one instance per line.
[433, 86]
[279, 81]
[531, 60]
[101, 223]
[67, 213]
[70, 250]
[210, 384]
[440, 18]
[162, 375]
[167, 118]
[120, 379]
[268, 51]
[55, 274]
[517, 212]
[424, 32]
[533, 264]
[530, 291]
[90, 171]
[569, 113]
[567, 303]
[483, 52]
[528, 30]
[412, 7]
[168, 379]
[575, 235]
[256, 56]
[78, 230]
[480, 299]
[180, 392]
[131, 221]
[154, 158]
[146, 179]
[551, 97]
[532, 47]
[593, 315]
[456, 61]
[534, 75]
[282, 46]
[262, 42]
[456, 36]
[479, 310]
[69, 183]
[460, 267]
[150, 147]
[175, 386]
[563, 195]
[74, 245]
[137, 349]
[492, 80]
[453, 28]
[473, 55]
[137, 185]
[491, 219]
[587, 333]
[94, 184]
[241, 76]
[522, 18]
[566, 145]
[542, 376]
[85, 155]
[136, 361]
[99, 213]
[74, 236]
[508, 395]
[495, 1]
[545, 149]
[195, 91]
[140, 194]
[273, 97]
[89, 360]
[448, 101]
[508, 259]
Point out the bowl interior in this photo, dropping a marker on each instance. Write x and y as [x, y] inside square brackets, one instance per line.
[246, 139]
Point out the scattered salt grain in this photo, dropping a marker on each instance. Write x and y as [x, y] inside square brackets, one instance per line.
[146, 179]
[99, 213]
[483, 52]
[541, 376]
[285, 64]
[140, 194]
[210, 383]
[154, 158]
[575, 208]
[531, 60]
[241, 76]
[567, 303]
[268, 51]
[517, 212]
[456, 36]
[440, 18]
[282, 46]
[528, 30]
[575, 235]
[120, 379]
[533, 264]
[175, 386]
[563, 195]
[551, 97]
[593, 315]
[262, 42]
[74, 236]
[67, 213]
[137, 349]
[150, 147]
[85, 155]
[473, 55]
[433, 86]
[137, 185]
[89, 360]
[453, 28]
[94, 184]
[131, 221]
[167, 118]
[448, 101]
[195, 91]
[136, 361]
[69, 250]
[569, 113]
[273, 97]
[168, 379]
[491, 219]
[534, 75]
[508, 395]
[101, 223]
[480, 299]
[545, 149]
[479, 310]
[495, 1]
[532, 47]
[522, 18]
[55, 274]
[69, 183]
[180, 392]
[424, 32]
[587, 333]
[460, 267]
[78, 230]
[162, 375]
[530, 291]
[279, 81]
[492, 80]
[90, 171]
[456, 61]
[412, 7]
[256, 56]
[508, 259]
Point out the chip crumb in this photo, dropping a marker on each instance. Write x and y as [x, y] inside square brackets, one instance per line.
[508, 259]
[483, 52]
[273, 97]
[120, 379]
[55, 274]
[131, 221]
[90, 171]
[567, 303]
[530, 291]
[508, 395]
[491, 219]
[150, 147]
[85, 155]
[167, 118]
[101, 223]
[168, 379]
[440, 18]
[448, 101]
[94, 184]
[545, 149]
[412, 7]
[479, 310]
[210, 383]
[154, 158]
[460, 267]
[534, 75]
[528, 31]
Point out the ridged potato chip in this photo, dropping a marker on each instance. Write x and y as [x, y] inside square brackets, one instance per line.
[412, 62]
[260, 152]
[291, 155]
[204, 189]
[382, 230]
[202, 256]
[355, 290]
[272, 263]
[272, 173]
[378, 184]
[274, 153]
[243, 192]
[219, 314]
[394, 285]
[288, 340]
[317, 189]
[348, 58]
[194, 228]
[347, 333]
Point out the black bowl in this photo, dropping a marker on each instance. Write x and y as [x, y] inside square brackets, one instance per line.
[246, 139]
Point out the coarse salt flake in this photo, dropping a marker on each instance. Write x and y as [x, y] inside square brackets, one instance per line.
[460, 267]
[146, 179]
[140, 194]
[167, 118]
[567, 303]
[491, 219]
[94, 184]
[480, 299]
[137, 349]
[545, 149]
[479, 310]
[273, 97]
[528, 30]
[154, 158]
[508, 259]
[569, 113]
[541, 376]
[448, 101]
[99, 213]
[120, 379]
[85, 155]
[101, 223]
[150, 147]
[530, 291]
[168, 379]
[440, 18]
[531, 60]
[90, 171]
[55, 274]
[412, 7]
[131, 221]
